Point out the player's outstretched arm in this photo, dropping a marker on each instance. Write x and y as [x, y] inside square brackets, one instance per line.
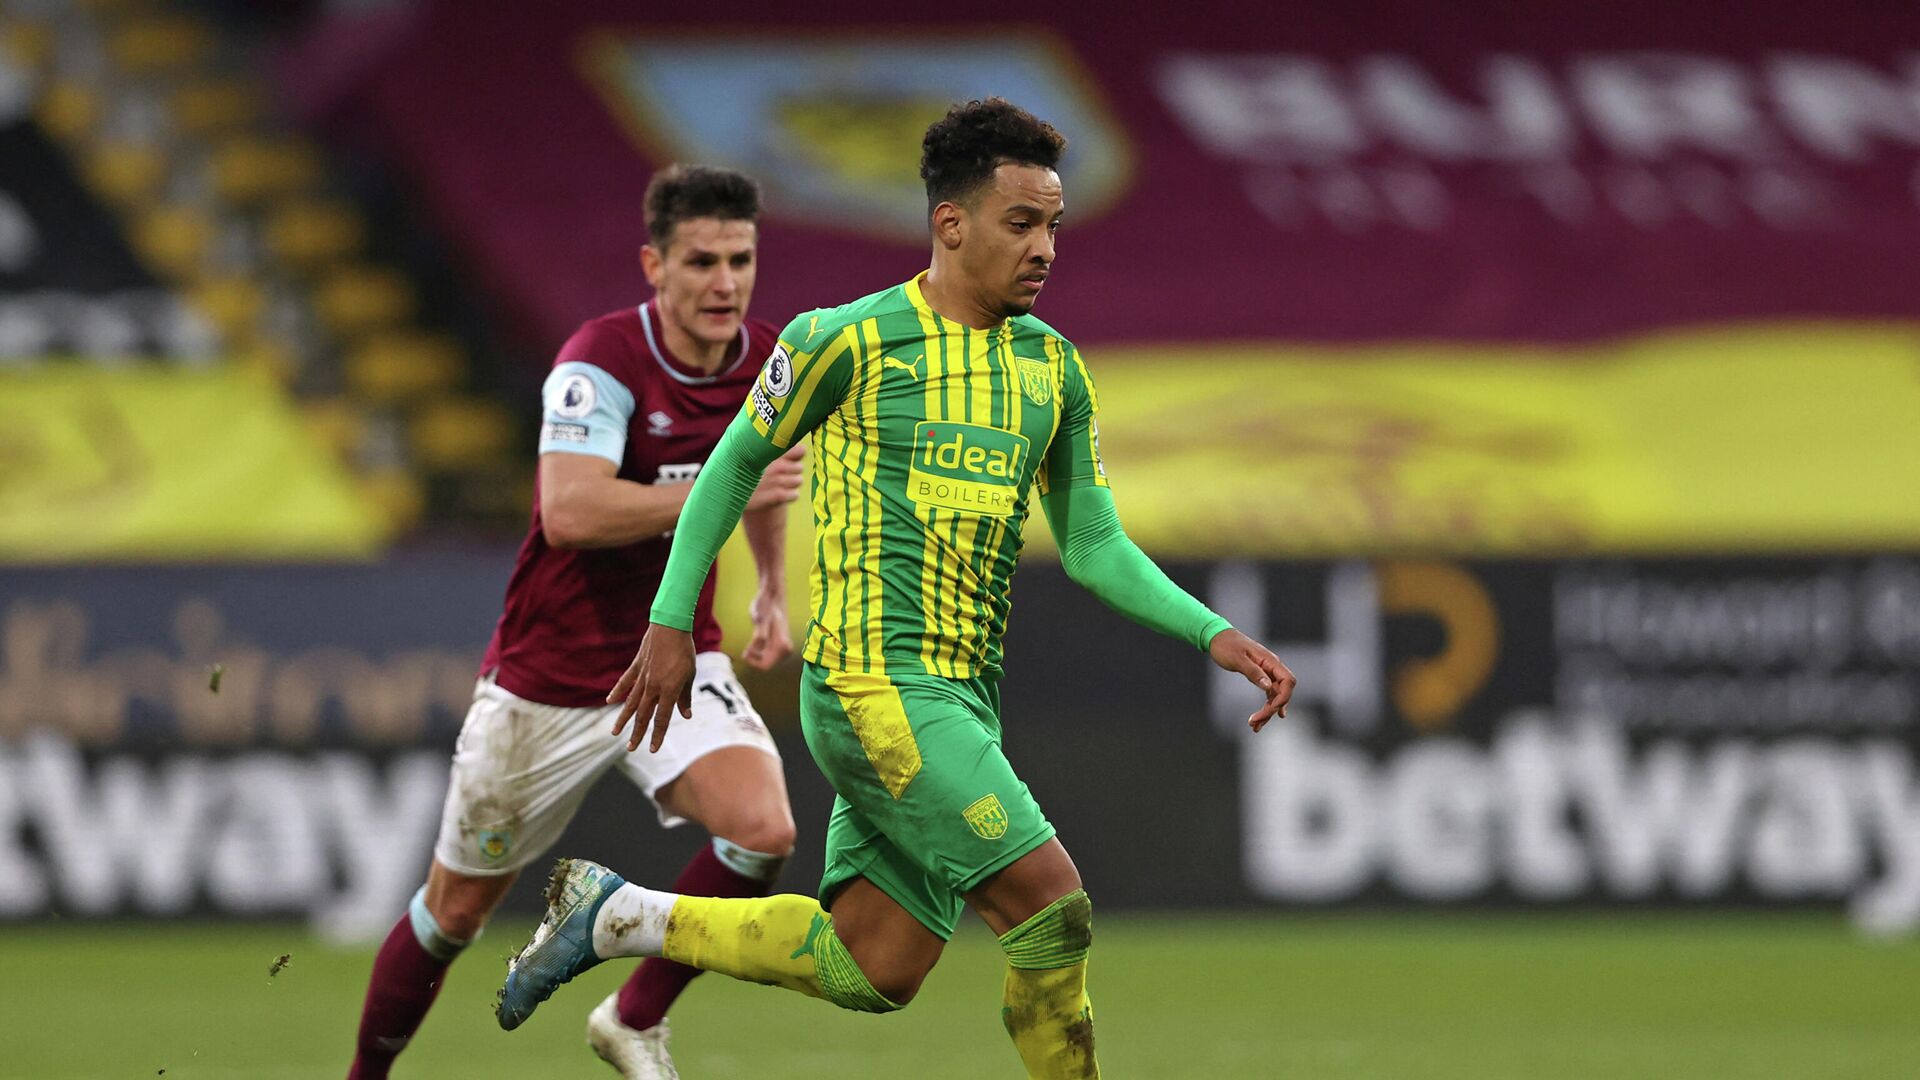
[720, 495]
[766, 529]
[794, 394]
[1101, 558]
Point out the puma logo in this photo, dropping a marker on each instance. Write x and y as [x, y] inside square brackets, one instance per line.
[813, 934]
[912, 369]
[813, 327]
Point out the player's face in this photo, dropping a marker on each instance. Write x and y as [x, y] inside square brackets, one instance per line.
[704, 278]
[1007, 248]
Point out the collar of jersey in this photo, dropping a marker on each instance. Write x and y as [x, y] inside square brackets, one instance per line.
[918, 298]
[681, 371]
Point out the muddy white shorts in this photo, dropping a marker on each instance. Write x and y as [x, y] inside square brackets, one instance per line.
[521, 769]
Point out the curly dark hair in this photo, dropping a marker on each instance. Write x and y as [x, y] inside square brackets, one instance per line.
[680, 192]
[961, 149]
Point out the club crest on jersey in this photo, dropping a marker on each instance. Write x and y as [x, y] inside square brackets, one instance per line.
[1036, 379]
[573, 398]
[779, 375]
[822, 121]
[987, 818]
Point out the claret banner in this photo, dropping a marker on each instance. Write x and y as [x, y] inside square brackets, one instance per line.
[1360, 171]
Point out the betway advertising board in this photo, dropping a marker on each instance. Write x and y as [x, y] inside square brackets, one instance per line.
[1636, 733]
[1665, 732]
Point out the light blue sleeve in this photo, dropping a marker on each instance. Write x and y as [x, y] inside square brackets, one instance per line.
[585, 411]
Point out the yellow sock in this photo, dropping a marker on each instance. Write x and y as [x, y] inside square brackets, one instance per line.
[784, 940]
[1046, 1009]
[1051, 1020]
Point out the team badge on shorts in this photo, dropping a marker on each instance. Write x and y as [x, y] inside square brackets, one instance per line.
[1036, 378]
[495, 844]
[987, 818]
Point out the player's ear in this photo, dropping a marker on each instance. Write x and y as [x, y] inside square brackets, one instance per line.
[651, 264]
[949, 221]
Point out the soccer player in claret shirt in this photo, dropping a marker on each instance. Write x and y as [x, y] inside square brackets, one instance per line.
[931, 407]
[634, 405]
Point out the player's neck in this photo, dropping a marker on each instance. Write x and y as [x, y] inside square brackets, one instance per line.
[948, 296]
[689, 350]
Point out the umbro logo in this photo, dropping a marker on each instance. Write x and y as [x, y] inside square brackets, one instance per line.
[659, 424]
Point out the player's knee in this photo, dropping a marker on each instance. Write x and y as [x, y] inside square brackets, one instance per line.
[461, 918]
[460, 906]
[1059, 935]
[769, 831]
[446, 932]
[898, 983]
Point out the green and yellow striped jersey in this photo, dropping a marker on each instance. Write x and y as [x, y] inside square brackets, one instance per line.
[925, 438]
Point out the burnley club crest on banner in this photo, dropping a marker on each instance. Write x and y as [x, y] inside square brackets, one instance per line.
[831, 126]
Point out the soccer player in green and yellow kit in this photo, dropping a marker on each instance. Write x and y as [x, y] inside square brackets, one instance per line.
[932, 408]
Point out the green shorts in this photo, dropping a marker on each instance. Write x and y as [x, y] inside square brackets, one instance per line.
[928, 806]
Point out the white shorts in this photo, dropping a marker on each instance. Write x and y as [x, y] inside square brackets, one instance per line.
[521, 769]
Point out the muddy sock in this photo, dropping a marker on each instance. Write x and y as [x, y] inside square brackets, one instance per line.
[1046, 1009]
[782, 940]
[721, 868]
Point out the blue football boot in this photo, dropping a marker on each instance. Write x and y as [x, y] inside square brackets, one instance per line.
[562, 947]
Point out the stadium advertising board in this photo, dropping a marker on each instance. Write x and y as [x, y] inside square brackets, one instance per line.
[242, 741]
[1649, 731]
[1701, 732]
[1557, 174]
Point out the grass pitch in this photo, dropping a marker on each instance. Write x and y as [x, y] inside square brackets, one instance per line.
[1324, 997]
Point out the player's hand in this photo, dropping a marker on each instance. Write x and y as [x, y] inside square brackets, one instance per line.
[771, 642]
[660, 676]
[780, 484]
[1235, 651]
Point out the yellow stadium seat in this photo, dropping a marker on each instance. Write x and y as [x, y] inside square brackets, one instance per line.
[232, 304]
[29, 43]
[158, 44]
[68, 109]
[214, 106]
[247, 169]
[274, 359]
[459, 433]
[355, 300]
[337, 423]
[173, 239]
[501, 491]
[126, 173]
[393, 367]
[312, 231]
[399, 495]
